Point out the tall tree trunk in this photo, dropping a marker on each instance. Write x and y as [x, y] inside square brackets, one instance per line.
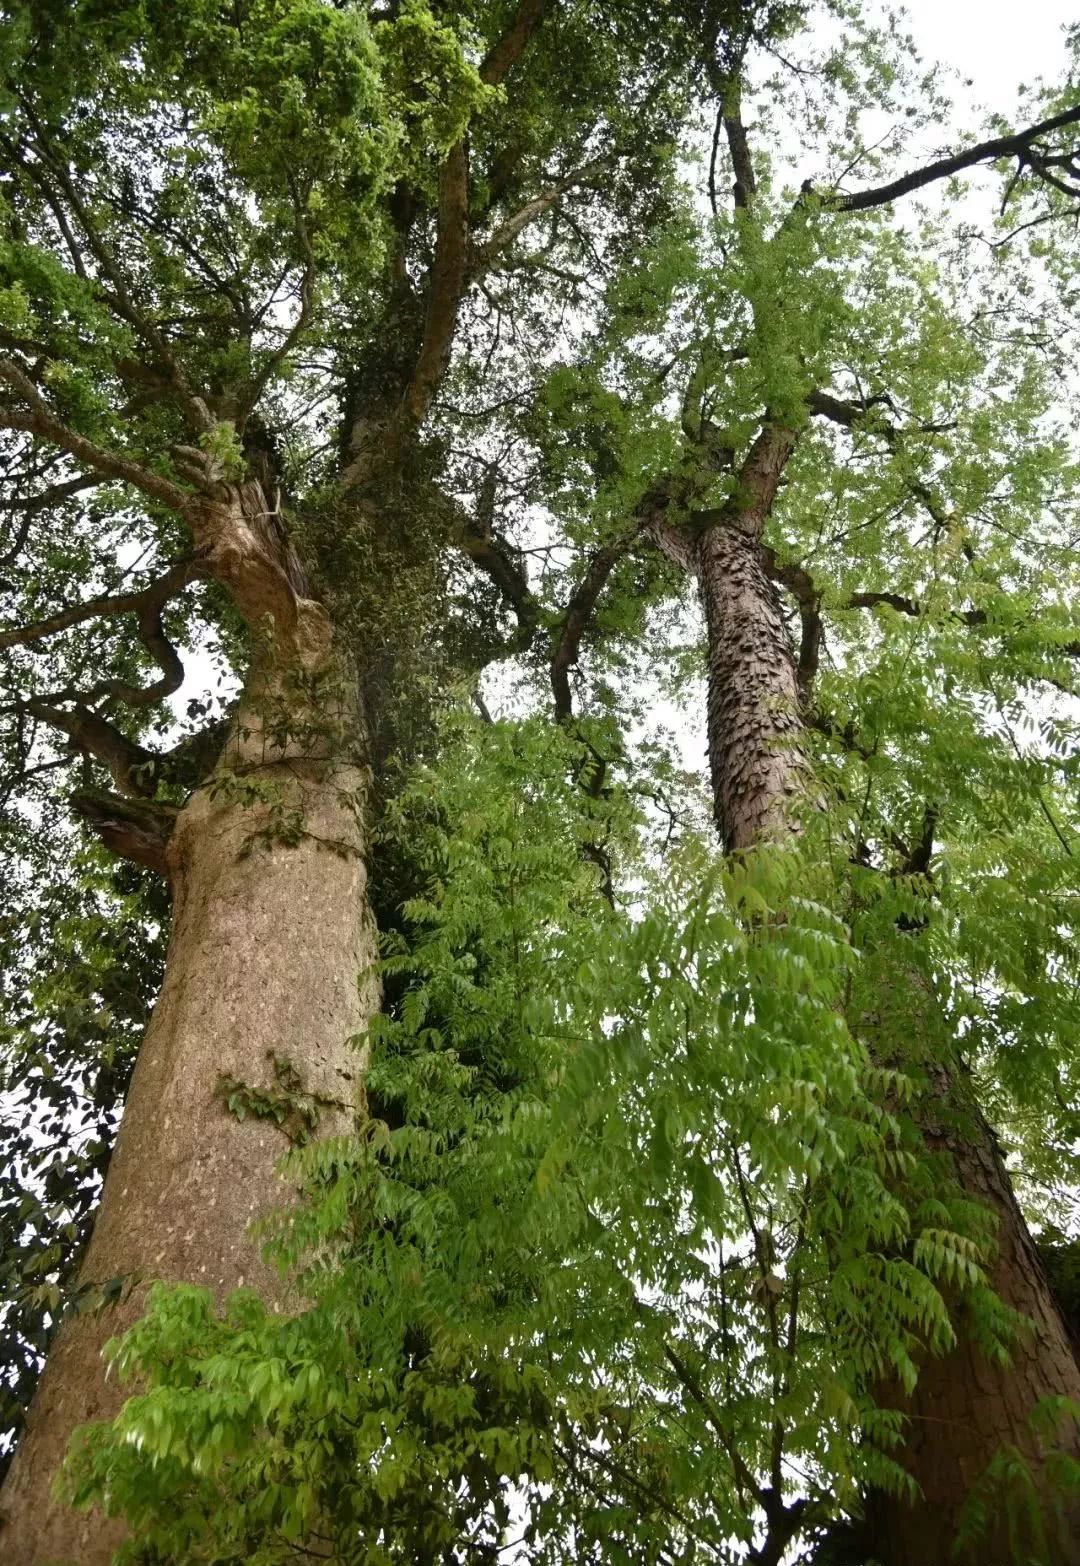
[264, 987]
[965, 1407]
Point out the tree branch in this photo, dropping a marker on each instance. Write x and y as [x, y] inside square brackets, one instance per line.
[120, 299]
[143, 599]
[446, 283]
[690, 1383]
[43, 422]
[34, 504]
[849, 414]
[800, 585]
[678, 542]
[132, 767]
[138, 830]
[759, 477]
[448, 277]
[575, 621]
[493, 555]
[504, 55]
[897, 601]
[307, 301]
[1017, 145]
[739, 147]
[496, 557]
[483, 255]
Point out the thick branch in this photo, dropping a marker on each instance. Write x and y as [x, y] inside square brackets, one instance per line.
[825, 406]
[1016, 145]
[575, 622]
[849, 414]
[493, 554]
[739, 147]
[747, 509]
[131, 766]
[448, 277]
[759, 477]
[41, 421]
[246, 547]
[446, 283]
[917, 858]
[502, 56]
[152, 635]
[138, 830]
[800, 584]
[498, 560]
[897, 601]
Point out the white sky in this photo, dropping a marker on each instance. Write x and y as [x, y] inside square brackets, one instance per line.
[997, 44]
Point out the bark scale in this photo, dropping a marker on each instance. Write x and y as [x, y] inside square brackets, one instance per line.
[271, 940]
[965, 1408]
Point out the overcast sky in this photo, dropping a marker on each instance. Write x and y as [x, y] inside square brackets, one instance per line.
[998, 45]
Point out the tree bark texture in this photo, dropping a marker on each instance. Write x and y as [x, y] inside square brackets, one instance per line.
[267, 947]
[271, 941]
[965, 1407]
[756, 758]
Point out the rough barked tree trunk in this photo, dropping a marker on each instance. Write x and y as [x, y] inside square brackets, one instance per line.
[756, 758]
[265, 985]
[965, 1408]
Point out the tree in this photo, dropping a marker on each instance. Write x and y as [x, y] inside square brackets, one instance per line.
[492, 1290]
[963, 1406]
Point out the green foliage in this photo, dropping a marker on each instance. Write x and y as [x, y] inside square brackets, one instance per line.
[644, 1140]
[222, 445]
[1011, 1486]
[81, 966]
[287, 1104]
